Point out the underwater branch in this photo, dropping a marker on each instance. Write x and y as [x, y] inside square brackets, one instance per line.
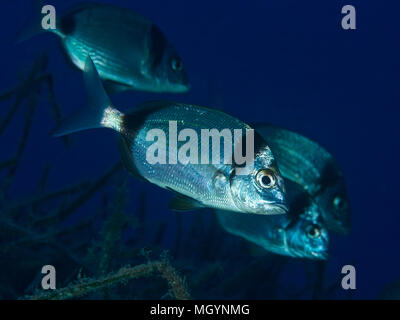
[84, 286]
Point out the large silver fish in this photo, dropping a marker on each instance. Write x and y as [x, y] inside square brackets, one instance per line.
[129, 51]
[216, 185]
[311, 166]
[298, 234]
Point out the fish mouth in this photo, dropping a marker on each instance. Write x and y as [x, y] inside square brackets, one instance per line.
[311, 255]
[321, 255]
[338, 227]
[278, 208]
[283, 207]
[181, 87]
[185, 87]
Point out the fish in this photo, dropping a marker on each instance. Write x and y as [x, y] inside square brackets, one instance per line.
[298, 234]
[128, 50]
[391, 291]
[257, 188]
[305, 162]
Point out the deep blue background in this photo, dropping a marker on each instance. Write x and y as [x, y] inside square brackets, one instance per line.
[286, 62]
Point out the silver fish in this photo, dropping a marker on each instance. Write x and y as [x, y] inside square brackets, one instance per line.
[305, 162]
[197, 185]
[129, 51]
[298, 234]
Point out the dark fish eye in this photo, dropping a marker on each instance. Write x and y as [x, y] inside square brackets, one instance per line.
[313, 231]
[265, 178]
[176, 64]
[338, 202]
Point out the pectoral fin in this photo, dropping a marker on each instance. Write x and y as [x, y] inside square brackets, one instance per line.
[255, 250]
[183, 203]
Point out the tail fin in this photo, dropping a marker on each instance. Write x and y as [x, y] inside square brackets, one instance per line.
[93, 114]
[33, 26]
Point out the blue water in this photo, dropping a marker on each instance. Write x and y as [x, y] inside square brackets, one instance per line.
[283, 62]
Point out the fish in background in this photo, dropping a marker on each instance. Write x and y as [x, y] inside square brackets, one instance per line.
[260, 191]
[308, 164]
[128, 50]
[299, 234]
[391, 291]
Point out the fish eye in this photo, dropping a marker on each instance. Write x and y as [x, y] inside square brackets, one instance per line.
[265, 178]
[313, 231]
[338, 202]
[176, 64]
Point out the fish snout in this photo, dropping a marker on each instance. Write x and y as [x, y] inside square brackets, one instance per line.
[275, 202]
[280, 201]
[323, 255]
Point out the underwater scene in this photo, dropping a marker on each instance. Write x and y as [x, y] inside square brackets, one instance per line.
[199, 150]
